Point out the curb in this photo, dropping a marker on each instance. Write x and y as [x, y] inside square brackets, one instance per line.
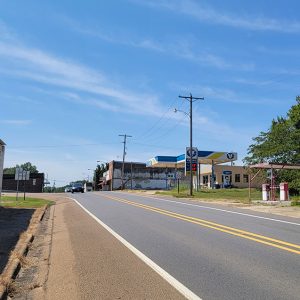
[13, 265]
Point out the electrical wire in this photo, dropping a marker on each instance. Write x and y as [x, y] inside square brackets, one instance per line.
[149, 131]
[60, 146]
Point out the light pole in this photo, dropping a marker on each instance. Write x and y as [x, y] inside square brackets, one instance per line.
[89, 174]
[191, 99]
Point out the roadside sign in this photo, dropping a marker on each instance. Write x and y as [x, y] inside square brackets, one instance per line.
[191, 161]
[178, 175]
[22, 174]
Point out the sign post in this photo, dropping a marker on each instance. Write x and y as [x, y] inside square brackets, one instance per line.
[21, 175]
[178, 177]
[191, 163]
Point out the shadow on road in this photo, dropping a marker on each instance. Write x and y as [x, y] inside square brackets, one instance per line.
[13, 221]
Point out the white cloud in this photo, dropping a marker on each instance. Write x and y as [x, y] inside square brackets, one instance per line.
[207, 14]
[181, 47]
[16, 122]
[42, 67]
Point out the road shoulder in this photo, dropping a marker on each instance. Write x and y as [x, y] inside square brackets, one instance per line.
[77, 258]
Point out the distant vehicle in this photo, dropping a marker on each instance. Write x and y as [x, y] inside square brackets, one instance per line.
[77, 187]
[68, 189]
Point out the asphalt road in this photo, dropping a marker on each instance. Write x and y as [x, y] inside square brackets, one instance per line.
[217, 253]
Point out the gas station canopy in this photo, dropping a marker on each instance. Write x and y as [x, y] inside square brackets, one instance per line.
[204, 157]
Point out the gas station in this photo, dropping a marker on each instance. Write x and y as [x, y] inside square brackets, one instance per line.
[199, 158]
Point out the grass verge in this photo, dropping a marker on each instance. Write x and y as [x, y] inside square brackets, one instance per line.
[295, 201]
[9, 201]
[233, 195]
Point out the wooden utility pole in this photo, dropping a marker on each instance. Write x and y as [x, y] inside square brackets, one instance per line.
[191, 99]
[124, 154]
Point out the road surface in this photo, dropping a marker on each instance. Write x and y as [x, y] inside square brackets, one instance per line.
[216, 252]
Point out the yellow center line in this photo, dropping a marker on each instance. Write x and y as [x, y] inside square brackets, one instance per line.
[230, 230]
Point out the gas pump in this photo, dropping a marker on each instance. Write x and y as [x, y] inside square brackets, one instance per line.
[226, 179]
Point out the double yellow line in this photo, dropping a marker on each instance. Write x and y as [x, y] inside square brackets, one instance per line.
[230, 230]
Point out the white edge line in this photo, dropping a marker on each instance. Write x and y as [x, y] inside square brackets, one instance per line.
[188, 294]
[214, 208]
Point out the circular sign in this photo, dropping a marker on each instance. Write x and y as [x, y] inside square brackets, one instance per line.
[230, 155]
[194, 153]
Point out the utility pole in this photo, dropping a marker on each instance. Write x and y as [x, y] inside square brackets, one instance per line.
[191, 99]
[124, 154]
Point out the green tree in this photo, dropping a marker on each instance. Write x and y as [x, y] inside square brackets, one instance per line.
[280, 144]
[98, 173]
[28, 166]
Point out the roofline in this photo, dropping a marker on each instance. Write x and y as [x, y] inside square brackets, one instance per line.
[275, 166]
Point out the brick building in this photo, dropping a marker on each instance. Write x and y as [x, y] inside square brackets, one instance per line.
[35, 184]
[137, 176]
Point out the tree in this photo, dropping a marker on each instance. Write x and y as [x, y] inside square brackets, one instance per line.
[28, 166]
[280, 144]
[98, 173]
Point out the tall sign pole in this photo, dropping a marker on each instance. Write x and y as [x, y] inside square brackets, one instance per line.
[191, 99]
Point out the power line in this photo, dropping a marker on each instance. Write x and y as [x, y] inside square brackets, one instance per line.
[61, 146]
[149, 131]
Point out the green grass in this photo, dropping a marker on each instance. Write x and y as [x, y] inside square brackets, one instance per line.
[9, 201]
[296, 201]
[235, 195]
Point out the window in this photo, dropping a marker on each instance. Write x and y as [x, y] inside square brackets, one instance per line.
[246, 178]
[237, 178]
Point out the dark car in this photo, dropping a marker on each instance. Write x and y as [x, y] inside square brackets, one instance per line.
[77, 187]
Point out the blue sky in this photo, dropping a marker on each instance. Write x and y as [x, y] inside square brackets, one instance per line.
[76, 74]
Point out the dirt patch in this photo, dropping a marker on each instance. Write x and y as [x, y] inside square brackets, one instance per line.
[288, 211]
[13, 221]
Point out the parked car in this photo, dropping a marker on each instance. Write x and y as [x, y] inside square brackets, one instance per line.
[77, 187]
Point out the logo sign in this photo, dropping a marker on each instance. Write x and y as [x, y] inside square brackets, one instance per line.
[227, 172]
[230, 155]
[194, 152]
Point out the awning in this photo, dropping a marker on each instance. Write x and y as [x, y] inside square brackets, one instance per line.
[204, 157]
